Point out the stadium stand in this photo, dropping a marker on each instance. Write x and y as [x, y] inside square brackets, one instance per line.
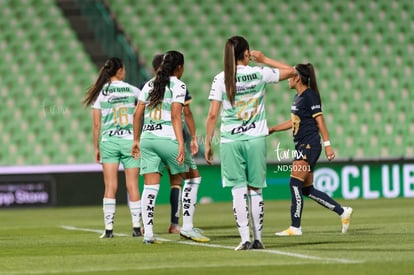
[44, 75]
[362, 50]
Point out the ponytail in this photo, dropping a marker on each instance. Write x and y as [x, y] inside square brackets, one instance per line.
[307, 76]
[230, 71]
[233, 51]
[108, 70]
[170, 62]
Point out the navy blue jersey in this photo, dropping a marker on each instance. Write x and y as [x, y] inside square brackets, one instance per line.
[305, 108]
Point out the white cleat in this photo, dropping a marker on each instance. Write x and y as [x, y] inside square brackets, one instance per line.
[291, 231]
[346, 218]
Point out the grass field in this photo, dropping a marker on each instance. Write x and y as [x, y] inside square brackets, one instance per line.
[65, 241]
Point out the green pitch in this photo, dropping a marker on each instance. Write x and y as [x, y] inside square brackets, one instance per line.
[66, 241]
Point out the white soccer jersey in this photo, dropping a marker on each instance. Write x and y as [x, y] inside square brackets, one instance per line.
[117, 104]
[247, 118]
[157, 120]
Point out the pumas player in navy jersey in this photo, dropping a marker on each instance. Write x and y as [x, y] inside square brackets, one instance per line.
[308, 126]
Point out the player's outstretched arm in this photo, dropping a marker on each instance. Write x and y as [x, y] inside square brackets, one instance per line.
[281, 127]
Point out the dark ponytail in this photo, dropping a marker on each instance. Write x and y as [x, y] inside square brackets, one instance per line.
[233, 51]
[170, 62]
[307, 76]
[108, 70]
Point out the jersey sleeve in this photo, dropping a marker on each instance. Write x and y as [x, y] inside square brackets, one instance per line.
[270, 75]
[136, 92]
[97, 103]
[217, 89]
[179, 92]
[144, 92]
[188, 97]
[315, 104]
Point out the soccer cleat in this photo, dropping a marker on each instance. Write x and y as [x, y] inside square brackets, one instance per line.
[107, 234]
[257, 245]
[151, 240]
[174, 229]
[194, 235]
[346, 218]
[244, 246]
[136, 232]
[291, 231]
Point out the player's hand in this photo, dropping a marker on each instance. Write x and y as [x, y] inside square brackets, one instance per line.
[180, 155]
[194, 146]
[329, 152]
[135, 151]
[97, 156]
[208, 154]
[257, 56]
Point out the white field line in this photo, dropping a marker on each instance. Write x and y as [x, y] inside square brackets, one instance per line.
[270, 251]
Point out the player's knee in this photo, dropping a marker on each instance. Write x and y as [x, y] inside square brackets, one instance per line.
[307, 190]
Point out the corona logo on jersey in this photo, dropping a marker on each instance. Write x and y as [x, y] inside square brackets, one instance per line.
[245, 78]
[111, 90]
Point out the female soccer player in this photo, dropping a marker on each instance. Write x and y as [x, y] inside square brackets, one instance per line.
[308, 124]
[176, 180]
[240, 90]
[113, 102]
[192, 177]
[161, 143]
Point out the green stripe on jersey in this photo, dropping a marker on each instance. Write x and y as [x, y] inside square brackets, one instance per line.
[157, 119]
[117, 104]
[246, 119]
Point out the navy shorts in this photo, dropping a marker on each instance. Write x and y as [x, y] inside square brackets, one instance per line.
[309, 151]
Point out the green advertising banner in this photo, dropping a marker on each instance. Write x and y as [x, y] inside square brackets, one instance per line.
[340, 179]
[347, 180]
[366, 180]
[211, 189]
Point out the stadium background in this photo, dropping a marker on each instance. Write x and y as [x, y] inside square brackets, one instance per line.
[51, 51]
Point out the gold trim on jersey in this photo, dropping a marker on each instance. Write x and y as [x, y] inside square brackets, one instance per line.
[317, 114]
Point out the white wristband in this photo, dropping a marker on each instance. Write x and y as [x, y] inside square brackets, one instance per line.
[326, 143]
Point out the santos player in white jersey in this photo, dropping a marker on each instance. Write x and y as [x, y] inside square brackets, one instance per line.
[161, 143]
[239, 90]
[113, 102]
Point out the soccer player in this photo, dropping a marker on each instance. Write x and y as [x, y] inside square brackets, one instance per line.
[239, 90]
[113, 102]
[308, 126]
[161, 142]
[192, 177]
[175, 181]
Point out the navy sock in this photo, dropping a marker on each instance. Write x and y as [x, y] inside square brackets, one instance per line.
[296, 205]
[175, 204]
[323, 199]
